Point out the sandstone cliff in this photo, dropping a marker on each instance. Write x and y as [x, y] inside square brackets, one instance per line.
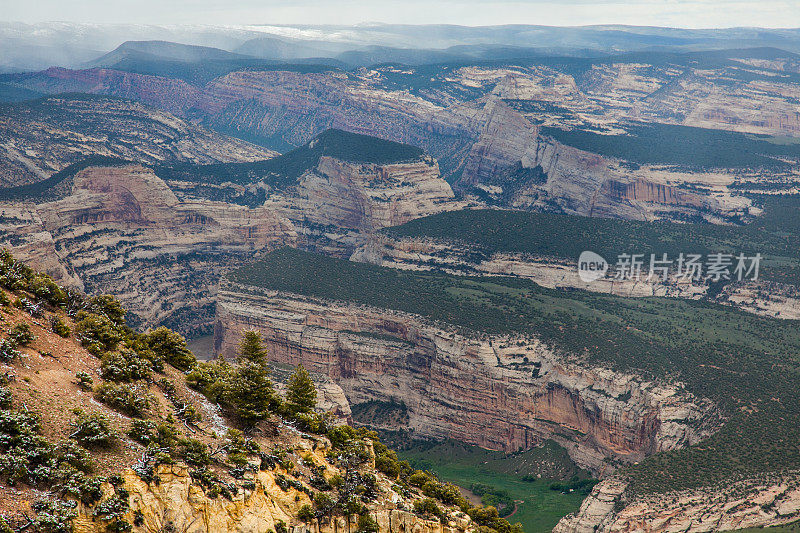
[40, 138]
[495, 392]
[745, 504]
[161, 248]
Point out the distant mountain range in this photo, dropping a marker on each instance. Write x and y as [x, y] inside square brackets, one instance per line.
[26, 47]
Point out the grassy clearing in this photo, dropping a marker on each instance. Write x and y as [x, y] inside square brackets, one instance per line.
[464, 465]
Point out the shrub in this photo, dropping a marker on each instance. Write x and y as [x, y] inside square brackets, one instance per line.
[6, 399]
[210, 379]
[124, 365]
[324, 504]
[54, 516]
[195, 452]
[367, 524]
[85, 381]
[92, 430]
[8, 350]
[59, 327]
[142, 431]
[428, 507]
[97, 333]
[108, 307]
[129, 400]
[306, 513]
[170, 347]
[21, 334]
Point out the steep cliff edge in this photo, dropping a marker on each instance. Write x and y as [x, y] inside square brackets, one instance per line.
[161, 245]
[499, 392]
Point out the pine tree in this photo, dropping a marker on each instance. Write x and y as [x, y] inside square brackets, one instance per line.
[251, 349]
[301, 394]
[249, 392]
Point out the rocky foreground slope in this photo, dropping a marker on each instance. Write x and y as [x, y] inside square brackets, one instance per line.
[102, 432]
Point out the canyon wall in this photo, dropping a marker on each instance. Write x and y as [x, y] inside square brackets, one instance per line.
[496, 392]
[759, 297]
[766, 502]
[161, 248]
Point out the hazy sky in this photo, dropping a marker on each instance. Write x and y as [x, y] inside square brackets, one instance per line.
[677, 13]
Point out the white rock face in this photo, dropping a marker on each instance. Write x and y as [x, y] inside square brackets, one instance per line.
[746, 504]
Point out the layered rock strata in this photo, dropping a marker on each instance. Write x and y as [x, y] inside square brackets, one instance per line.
[746, 504]
[496, 392]
[759, 297]
[124, 231]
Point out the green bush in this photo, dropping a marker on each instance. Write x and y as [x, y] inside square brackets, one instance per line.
[306, 513]
[97, 333]
[124, 365]
[367, 524]
[108, 307]
[92, 431]
[427, 507]
[85, 381]
[129, 400]
[8, 350]
[21, 334]
[142, 431]
[59, 327]
[170, 347]
[194, 452]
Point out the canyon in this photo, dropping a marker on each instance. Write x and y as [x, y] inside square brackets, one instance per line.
[506, 393]
[125, 231]
[487, 126]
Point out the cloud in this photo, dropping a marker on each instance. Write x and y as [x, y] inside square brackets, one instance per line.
[675, 13]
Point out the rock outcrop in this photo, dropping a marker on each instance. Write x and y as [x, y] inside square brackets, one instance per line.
[161, 248]
[40, 138]
[495, 392]
[178, 503]
[745, 504]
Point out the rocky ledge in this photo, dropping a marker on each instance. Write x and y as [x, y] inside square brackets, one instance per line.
[746, 504]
